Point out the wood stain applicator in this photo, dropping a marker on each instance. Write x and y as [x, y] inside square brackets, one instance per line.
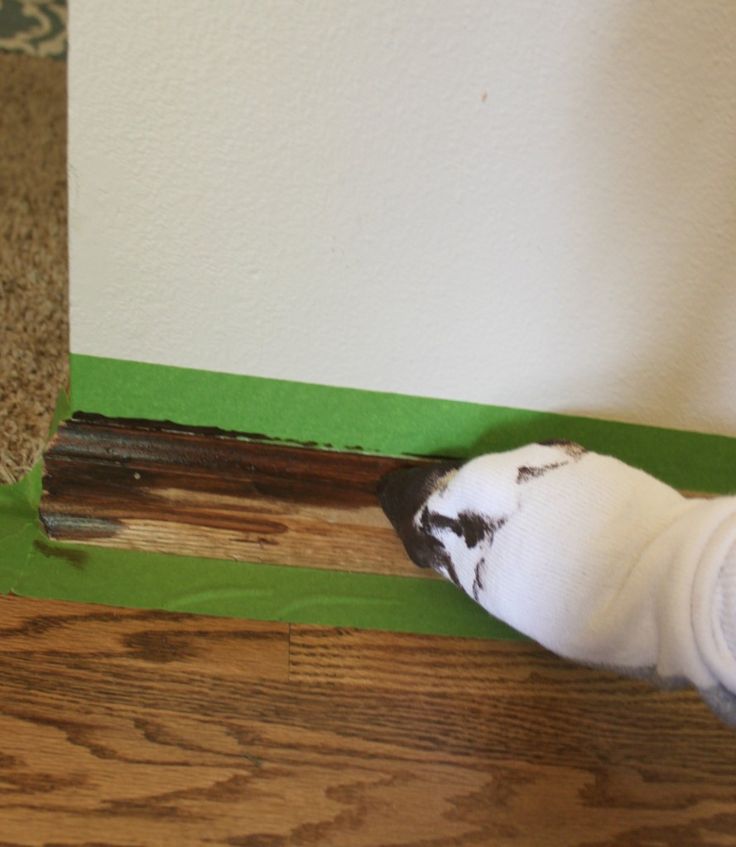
[594, 559]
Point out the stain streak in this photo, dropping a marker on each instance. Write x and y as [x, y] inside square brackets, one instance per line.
[104, 474]
[526, 472]
[479, 581]
[76, 558]
[572, 448]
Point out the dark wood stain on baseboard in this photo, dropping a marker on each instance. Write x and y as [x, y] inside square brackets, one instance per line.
[113, 450]
[187, 429]
[162, 486]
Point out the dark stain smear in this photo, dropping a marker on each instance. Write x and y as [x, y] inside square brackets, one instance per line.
[572, 448]
[72, 527]
[440, 556]
[474, 528]
[479, 581]
[526, 473]
[471, 526]
[101, 473]
[106, 456]
[76, 558]
[402, 494]
[145, 425]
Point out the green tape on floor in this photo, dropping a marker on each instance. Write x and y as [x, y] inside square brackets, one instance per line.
[31, 565]
[18, 531]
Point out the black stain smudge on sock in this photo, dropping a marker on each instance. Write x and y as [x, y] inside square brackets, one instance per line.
[526, 473]
[478, 582]
[572, 448]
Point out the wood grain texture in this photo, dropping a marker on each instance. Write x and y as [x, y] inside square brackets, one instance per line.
[199, 491]
[130, 728]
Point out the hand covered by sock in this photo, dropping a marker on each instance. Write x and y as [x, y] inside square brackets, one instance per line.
[594, 559]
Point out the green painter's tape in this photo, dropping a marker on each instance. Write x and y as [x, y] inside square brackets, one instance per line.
[31, 565]
[17, 530]
[18, 515]
[391, 424]
[261, 592]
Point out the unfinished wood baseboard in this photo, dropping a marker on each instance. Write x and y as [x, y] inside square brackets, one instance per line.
[162, 487]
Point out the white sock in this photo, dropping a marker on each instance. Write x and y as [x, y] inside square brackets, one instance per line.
[726, 594]
[596, 560]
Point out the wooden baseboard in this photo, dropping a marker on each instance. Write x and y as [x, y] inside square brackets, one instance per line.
[158, 486]
[162, 487]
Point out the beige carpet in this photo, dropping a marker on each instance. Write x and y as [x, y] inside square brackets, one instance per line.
[33, 255]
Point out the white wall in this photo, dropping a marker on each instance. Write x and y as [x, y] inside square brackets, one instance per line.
[515, 202]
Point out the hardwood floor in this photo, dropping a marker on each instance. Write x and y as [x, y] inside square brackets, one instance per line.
[122, 727]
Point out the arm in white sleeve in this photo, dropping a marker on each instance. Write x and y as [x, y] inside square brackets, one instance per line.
[594, 559]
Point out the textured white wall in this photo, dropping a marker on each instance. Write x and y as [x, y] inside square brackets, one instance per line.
[515, 202]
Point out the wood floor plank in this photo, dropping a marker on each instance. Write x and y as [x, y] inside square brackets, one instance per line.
[142, 728]
[444, 665]
[127, 639]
